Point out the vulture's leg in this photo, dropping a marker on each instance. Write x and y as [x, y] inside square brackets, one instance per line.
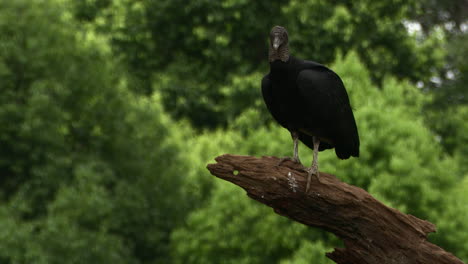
[314, 168]
[295, 158]
[296, 147]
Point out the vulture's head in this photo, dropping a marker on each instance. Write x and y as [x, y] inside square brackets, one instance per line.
[279, 49]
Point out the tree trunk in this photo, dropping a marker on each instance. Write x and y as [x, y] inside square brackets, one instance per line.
[372, 232]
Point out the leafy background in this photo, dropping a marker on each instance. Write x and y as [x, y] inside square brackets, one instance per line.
[110, 111]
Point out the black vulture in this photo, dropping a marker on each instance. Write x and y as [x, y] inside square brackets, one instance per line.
[310, 101]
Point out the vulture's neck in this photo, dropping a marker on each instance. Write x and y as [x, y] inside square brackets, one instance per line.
[282, 53]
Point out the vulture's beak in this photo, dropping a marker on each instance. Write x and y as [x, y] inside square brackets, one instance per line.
[276, 43]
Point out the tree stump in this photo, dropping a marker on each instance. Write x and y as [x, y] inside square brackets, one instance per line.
[372, 232]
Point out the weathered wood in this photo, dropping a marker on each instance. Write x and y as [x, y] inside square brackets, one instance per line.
[371, 232]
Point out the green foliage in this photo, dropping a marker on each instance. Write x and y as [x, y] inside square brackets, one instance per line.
[93, 170]
[450, 124]
[309, 252]
[89, 10]
[227, 40]
[447, 113]
[452, 225]
[450, 14]
[236, 230]
[90, 172]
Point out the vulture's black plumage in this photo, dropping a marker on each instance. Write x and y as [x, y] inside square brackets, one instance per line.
[310, 101]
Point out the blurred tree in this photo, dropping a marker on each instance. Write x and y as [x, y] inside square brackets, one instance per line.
[451, 14]
[90, 173]
[446, 113]
[229, 228]
[198, 56]
[192, 52]
[451, 126]
[448, 84]
[451, 230]
[89, 10]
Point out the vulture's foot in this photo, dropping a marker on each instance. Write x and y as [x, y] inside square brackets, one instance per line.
[312, 171]
[295, 160]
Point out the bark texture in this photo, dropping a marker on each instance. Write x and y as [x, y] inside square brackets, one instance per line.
[371, 232]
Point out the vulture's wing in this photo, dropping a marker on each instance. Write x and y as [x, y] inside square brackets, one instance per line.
[328, 108]
[267, 89]
[322, 88]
